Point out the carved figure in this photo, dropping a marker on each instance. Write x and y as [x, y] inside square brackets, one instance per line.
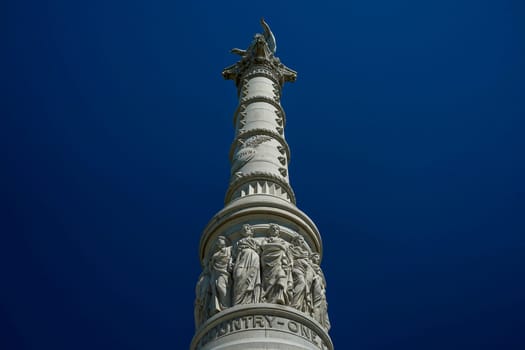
[267, 37]
[220, 265]
[302, 274]
[320, 306]
[202, 296]
[247, 269]
[276, 267]
[261, 50]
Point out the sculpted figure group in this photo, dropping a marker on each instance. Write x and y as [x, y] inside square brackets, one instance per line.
[270, 270]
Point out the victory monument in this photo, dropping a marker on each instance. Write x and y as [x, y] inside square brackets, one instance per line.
[261, 285]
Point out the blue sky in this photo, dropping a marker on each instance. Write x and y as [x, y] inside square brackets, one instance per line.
[406, 131]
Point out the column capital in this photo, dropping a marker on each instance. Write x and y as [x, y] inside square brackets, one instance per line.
[260, 53]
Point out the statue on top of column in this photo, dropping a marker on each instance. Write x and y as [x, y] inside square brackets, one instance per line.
[267, 38]
[260, 52]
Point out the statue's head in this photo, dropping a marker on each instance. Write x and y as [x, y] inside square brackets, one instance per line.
[247, 230]
[316, 259]
[258, 38]
[298, 240]
[221, 242]
[275, 230]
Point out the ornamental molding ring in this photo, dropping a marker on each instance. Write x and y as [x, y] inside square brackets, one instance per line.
[255, 132]
[260, 98]
[238, 70]
[268, 207]
[243, 179]
[260, 71]
[244, 102]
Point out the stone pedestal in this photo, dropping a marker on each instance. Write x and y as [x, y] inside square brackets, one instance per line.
[261, 327]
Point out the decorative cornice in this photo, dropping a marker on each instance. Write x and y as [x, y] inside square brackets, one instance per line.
[235, 72]
[260, 71]
[259, 53]
[249, 206]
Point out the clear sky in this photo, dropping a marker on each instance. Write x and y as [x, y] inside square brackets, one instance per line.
[406, 128]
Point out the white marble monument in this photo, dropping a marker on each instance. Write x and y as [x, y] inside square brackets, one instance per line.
[261, 285]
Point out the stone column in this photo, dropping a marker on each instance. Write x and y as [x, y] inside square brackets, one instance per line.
[261, 285]
[259, 153]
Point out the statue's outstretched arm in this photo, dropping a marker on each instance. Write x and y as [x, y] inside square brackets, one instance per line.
[237, 51]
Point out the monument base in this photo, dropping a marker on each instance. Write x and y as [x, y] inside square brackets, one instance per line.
[261, 327]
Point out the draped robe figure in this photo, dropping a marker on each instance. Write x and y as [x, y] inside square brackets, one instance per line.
[302, 274]
[276, 267]
[220, 279]
[247, 270]
[202, 297]
[320, 306]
